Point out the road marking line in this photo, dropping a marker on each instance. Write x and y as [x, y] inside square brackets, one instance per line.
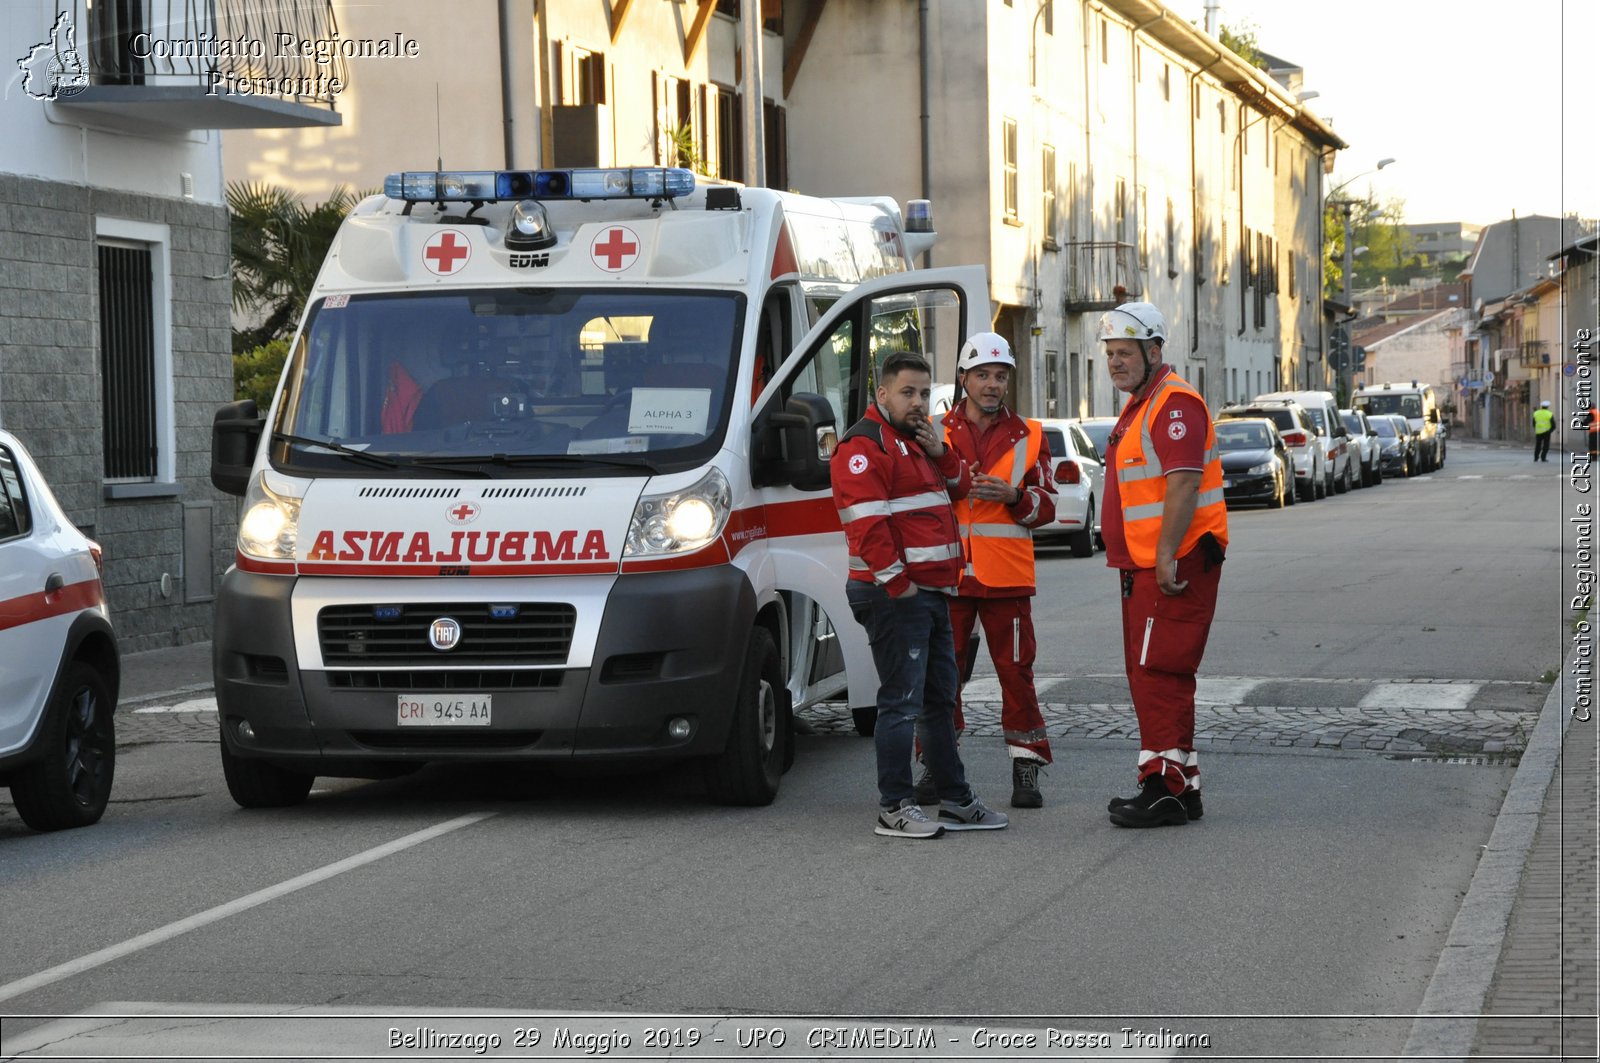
[194, 705]
[1419, 696]
[63, 971]
[1211, 691]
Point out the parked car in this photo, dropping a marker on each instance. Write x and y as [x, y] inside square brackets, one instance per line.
[59, 667]
[1079, 475]
[1417, 404]
[1099, 430]
[1364, 441]
[1332, 437]
[1299, 435]
[1256, 465]
[1397, 444]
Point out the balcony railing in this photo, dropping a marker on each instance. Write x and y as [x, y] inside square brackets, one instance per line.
[1535, 354]
[1101, 274]
[205, 63]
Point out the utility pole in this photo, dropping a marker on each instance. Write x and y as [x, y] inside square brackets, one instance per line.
[755, 146]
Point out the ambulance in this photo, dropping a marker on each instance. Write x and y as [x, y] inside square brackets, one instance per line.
[546, 481]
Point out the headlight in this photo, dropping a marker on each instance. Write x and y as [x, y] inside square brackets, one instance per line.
[271, 523]
[680, 521]
[1259, 470]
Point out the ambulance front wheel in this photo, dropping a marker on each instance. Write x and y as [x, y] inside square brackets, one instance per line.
[747, 771]
[866, 720]
[260, 784]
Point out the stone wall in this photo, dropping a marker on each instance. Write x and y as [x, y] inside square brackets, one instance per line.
[50, 392]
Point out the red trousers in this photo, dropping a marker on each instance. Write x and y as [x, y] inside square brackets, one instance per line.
[1008, 628]
[1163, 639]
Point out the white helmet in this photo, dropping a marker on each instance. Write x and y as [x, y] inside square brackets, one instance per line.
[985, 348]
[1134, 321]
[1545, 405]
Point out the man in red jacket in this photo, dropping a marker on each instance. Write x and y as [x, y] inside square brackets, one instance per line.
[1012, 493]
[893, 479]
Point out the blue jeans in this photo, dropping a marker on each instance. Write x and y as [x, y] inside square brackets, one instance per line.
[914, 651]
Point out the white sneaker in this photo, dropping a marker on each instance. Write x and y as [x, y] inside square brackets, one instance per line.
[907, 821]
[973, 815]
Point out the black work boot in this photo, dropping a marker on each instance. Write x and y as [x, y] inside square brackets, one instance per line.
[1025, 783]
[1190, 798]
[1155, 806]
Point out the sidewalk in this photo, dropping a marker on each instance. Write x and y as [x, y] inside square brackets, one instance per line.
[1530, 911]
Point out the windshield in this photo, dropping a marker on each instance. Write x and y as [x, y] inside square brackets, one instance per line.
[1408, 405]
[1352, 423]
[1316, 415]
[1231, 436]
[1099, 432]
[546, 378]
[1383, 426]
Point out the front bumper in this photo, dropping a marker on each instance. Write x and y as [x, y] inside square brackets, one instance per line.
[662, 651]
[1262, 487]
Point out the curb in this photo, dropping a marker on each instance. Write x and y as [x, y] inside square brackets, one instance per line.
[1446, 1025]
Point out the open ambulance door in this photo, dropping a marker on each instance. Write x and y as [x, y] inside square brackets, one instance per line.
[818, 392]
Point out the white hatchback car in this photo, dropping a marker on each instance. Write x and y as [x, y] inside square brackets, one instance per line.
[59, 665]
[1079, 475]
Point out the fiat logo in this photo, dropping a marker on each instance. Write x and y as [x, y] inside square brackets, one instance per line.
[444, 633]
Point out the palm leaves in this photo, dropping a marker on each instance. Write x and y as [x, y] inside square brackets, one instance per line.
[278, 247]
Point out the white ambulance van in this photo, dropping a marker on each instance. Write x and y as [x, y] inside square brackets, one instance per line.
[546, 478]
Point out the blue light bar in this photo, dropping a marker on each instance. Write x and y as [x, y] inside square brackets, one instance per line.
[635, 182]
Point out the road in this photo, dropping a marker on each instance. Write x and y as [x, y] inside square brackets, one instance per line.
[1373, 671]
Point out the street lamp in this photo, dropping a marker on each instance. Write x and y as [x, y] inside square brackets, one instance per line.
[1349, 258]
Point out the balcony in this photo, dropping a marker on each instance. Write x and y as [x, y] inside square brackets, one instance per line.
[180, 65]
[1100, 274]
[1534, 354]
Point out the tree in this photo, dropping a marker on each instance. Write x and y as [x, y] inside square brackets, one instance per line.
[1378, 227]
[1241, 40]
[278, 244]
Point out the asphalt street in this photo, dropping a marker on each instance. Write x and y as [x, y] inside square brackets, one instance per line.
[1304, 915]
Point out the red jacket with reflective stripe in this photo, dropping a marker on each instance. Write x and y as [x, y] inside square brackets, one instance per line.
[894, 503]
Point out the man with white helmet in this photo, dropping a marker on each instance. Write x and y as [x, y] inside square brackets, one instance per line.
[1012, 492]
[1544, 423]
[1165, 526]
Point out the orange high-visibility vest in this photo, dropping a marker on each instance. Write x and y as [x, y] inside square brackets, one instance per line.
[1142, 482]
[999, 551]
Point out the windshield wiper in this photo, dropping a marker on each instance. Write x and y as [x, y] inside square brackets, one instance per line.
[380, 461]
[521, 460]
[338, 448]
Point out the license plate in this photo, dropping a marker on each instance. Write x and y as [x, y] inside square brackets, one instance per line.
[443, 710]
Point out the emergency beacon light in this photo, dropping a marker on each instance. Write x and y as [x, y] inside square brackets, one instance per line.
[455, 186]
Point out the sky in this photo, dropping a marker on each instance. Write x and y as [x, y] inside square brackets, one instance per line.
[1486, 108]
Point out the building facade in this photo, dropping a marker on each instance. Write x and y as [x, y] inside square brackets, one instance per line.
[114, 337]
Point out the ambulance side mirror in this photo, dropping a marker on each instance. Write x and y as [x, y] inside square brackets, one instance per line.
[235, 433]
[809, 436]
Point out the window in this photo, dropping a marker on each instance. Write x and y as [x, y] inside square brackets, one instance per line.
[580, 73]
[14, 517]
[673, 111]
[1105, 42]
[1144, 233]
[1008, 150]
[1172, 241]
[135, 351]
[1121, 207]
[729, 134]
[1047, 15]
[1048, 177]
[775, 127]
[1166, 81]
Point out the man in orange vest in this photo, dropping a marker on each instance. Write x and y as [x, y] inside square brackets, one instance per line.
[1012, 492]
[1165, 526]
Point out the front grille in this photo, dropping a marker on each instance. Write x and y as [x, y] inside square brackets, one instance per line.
[420, 681]
[426, 738]
[491, 633]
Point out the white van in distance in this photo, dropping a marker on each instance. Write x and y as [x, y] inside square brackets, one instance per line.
[1417, 404]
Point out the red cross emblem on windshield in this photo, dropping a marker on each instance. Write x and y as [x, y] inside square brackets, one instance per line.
[615, 249]
[462, 514]
[446, 251]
